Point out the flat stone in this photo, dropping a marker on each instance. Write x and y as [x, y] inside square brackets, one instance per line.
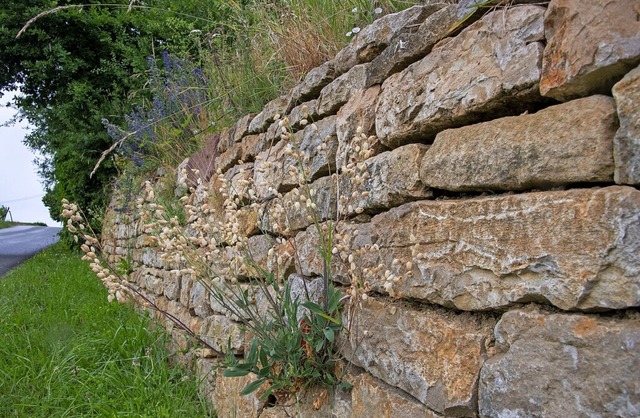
[253, 145]
[269, 170]
[626, 145]
[241, 128]
[372, 397]
[283, 217]
[374, 38]
[199, 299]
[273, 109]
[334, 95]
[316, 147]
[222, 333]
[228, 401]
[409, 47]
[307, 111]
[563, 365]
[313, 83]
[229, 158]
[225, 139]
[591, 44]
[392, 179]
[492, 68]
[432, 354]
[357, 113]
[560, 145]
[240, 180]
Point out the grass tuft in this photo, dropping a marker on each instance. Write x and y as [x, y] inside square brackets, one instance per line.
[67, 352]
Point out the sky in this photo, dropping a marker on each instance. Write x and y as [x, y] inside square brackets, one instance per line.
[20, 186]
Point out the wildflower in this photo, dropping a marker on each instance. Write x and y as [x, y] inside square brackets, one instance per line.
[356, 29]
[377, 10]
[354, 10]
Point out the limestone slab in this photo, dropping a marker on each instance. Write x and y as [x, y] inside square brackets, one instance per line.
[334, 95]
[560, 145]
[275, 108]
[563, 365]
[626, 148]
[591, 44]
[222, 333]
[492, 68]
[432, 354]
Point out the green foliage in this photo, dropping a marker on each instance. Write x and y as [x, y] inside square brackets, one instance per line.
[3, 212]
[67, 352]
[288, 353]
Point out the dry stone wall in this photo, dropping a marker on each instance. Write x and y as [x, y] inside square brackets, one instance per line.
[486, 182]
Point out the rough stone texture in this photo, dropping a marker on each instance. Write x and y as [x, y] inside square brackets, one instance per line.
[225, 140]
[269, 171]
[333, 96]
[373, 398]
[303, 289]
[240, 178]
[228, 401]
[241, 128]
[591, 44]
[626, 145]
[411, 46]
[290, 218]
[307, 110]
[560, 145]
[491, 68]
[313, 83]
[229, 158]
[393, 178]
[358, 112]
[563, 365]
[261, 121]
[207, 371]
[436, 354]
[221, 332]
[199, 299]
[253, 145]
[316, 147]
[374, 38]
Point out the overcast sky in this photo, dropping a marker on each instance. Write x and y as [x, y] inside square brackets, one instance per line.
[20, 187]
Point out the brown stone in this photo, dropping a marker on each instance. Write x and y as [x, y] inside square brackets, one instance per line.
[334, 95]
[358, 112]
[563, 365]
[560, 145]
[492, 68]
[374, 398]
[253, 145]
[591, 44]
[241, 128]
[315, 147]
[273, 109]
[392, 178]
[228, 401]
[374, 38]
[408, 47]
[240, 180]
[229, 158]
[432, 354]
[313, 83]
[626, 145]
[269, 170]
[221, 333]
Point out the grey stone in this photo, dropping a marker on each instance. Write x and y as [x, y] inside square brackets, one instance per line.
[563, 365]
[492, 68]
[560, 145]
[626, 147]
[334, 95]
[591, 44]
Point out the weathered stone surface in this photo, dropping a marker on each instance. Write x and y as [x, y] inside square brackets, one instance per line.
[228, 401]
[271, 256]
[563, 365]
[240, 180]
[313, 83]
[591, 44]
[186, 283]
[626, 145]
[373, 398]
[574, 249]
[269, 170]
[225, 140]
[229, 158]
[334, 95]
[358, 112]
[491, 68]
[389, 180]
[199, 299]
[172, 285]
[313, 403]
[374, 38]
[253, 145]
[241, 128]
[207, 372]
[303, 289]
[307, 110]
[411, 46]
[261, 121]
[560, 145]
[282, 215]
[315, 147]
[220, 332]
[436, 355]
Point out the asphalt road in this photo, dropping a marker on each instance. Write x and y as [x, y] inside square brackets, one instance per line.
[19, 243]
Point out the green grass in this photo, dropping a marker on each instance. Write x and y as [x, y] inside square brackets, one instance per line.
[8, 224]
[66, 352]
